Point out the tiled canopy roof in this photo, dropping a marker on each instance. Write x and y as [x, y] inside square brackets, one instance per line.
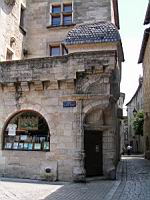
[93, 33]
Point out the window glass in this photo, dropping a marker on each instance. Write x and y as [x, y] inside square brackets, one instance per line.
[27, 131]
[67, 19]
[55, 51]
[67, 8]
[56, 9]
[58, 17]
[55, 21]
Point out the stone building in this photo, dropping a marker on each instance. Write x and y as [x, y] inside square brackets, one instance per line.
[133, 106]
[11, 37]
[144, 59]
[58, 105]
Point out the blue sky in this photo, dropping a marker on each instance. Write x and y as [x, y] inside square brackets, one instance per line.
[131, 14]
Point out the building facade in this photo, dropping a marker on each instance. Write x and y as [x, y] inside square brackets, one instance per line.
[59, 97]
[123, 123]
[144, 59]
[134, 106]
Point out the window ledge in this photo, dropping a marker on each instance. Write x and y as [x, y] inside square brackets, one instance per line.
[22, 30]
[60, 27]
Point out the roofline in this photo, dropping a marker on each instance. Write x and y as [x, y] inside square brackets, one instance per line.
[119, 50]
[147, 16]
[116, 13]
[140, 85]
[144, 44]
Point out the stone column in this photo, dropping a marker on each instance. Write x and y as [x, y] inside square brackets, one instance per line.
[78, 169]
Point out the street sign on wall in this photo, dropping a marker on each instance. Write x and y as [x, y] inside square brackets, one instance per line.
[69, 104]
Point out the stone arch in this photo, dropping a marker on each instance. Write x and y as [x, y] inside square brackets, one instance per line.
[95, 105]
[97, 87]
[94, 118]
[94, 85]
[11, 115]
[104, 128]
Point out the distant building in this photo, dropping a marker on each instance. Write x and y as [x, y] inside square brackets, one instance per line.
[144, 58]
[123, 123]
[124, 134]
[133, 106]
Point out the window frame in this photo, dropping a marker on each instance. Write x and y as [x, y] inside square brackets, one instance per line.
[62, 50]
[40, 141]
[67, 15]
[54, 46]
[62, 14]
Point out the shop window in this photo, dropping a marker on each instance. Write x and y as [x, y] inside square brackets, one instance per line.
[27, 131]
[61, 14]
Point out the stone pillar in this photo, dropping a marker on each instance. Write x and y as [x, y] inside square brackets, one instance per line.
[109, 167]
[78, 169]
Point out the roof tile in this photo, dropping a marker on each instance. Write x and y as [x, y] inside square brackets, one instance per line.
[93, 33]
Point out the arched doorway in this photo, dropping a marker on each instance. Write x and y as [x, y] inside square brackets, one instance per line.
[26, 131]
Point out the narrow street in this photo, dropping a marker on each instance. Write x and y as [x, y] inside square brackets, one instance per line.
[134, 176]
[133, 180]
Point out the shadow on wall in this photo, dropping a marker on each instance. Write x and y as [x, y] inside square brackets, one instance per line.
[7, 6]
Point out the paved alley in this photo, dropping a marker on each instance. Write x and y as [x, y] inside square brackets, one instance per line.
[133, 181]
[134, 176]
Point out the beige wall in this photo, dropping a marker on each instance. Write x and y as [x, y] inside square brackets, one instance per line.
[46, 83]
[9, 22]
[146, 89]
[62, 127]
[39, 33]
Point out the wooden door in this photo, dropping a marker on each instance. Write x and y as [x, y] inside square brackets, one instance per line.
[93, 153]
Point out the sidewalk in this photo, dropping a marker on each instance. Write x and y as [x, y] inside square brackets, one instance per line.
[133, 182]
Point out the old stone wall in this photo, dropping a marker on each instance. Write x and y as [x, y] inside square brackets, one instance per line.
[11, 36]
[146, 89]
[40, 33]
[45, 84]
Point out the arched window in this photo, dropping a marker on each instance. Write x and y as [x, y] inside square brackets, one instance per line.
[27, 131]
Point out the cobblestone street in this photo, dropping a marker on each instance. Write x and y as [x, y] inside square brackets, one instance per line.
[133, 180]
